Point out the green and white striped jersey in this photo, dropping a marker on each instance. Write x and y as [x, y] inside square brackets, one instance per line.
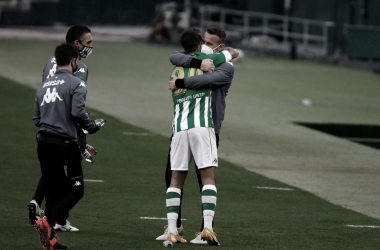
[192, 108]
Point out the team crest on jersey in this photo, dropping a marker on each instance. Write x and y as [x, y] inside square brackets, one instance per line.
[180, 91]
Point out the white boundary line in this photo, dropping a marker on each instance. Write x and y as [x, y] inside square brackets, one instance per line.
[361, 226]
[155, 218]
[275, 188]
[93, 180]
[138, 134]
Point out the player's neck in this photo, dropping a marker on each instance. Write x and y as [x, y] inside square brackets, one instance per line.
[68, 67]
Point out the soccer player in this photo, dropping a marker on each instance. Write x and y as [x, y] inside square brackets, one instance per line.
[81, 37]
[193, 137]
[220, 81]
[59, 106]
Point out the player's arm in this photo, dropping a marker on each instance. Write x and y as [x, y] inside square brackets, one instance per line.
[222, 75]
[78, 108]
[36, 115]
[43, 72]
[179, 58]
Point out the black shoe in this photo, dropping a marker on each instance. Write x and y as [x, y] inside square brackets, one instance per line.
[59, 245]
[34, 212]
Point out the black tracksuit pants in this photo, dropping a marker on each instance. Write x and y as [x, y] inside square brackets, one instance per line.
[62, 175]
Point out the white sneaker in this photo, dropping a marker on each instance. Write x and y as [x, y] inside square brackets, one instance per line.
[65, 228]
[198, 239]
[166, 233]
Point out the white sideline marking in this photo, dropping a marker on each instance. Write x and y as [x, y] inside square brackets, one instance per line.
[284, 189]
[154, 218]
[141, 134]
[369, 226]
[93, 180]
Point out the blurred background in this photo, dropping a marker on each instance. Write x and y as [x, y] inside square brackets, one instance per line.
[339, 31]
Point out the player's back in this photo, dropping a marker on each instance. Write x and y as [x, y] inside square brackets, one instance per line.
[54, 99]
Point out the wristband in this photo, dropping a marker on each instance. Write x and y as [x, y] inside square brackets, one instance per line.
[180, 83]
[195, 63]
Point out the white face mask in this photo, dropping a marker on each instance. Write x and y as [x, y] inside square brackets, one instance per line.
[207, 50]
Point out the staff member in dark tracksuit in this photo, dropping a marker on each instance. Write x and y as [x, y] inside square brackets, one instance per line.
[59, 106]
[81, 37]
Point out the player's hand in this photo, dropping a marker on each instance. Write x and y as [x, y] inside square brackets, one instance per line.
[207, 65]
[96, 129]
[172, 86]
[226, 94]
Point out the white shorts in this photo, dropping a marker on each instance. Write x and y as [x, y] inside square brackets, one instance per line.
[199, 143]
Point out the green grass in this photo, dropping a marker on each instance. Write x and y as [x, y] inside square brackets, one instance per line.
[132, 168]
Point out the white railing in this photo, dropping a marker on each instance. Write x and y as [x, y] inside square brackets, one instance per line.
[266, 29]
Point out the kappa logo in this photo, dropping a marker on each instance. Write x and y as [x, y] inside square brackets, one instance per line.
[52, 71]
[77, 184]
[81, 70]
[50, 96]
[82, 84]
[215, 160]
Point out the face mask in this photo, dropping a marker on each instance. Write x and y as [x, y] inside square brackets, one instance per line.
[207, 50]
[85, 51]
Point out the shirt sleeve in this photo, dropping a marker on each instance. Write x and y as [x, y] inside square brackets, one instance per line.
[222, 75]
[179, 58]
[78, 107]
[82, 72]
[36, 115]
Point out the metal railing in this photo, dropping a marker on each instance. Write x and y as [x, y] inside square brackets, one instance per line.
[283, 30]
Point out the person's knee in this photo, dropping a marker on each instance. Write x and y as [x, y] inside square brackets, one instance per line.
[208, 175]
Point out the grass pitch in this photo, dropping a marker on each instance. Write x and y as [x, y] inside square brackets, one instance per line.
[132, 168]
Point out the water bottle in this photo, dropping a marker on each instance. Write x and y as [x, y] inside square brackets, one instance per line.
[91, 149]
[99, 122]
[87, 156]
[168, 243]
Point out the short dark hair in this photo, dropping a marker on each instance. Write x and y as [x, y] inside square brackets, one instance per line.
[77, 32]
[218, 32]
[190, 40]
[65, 52]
